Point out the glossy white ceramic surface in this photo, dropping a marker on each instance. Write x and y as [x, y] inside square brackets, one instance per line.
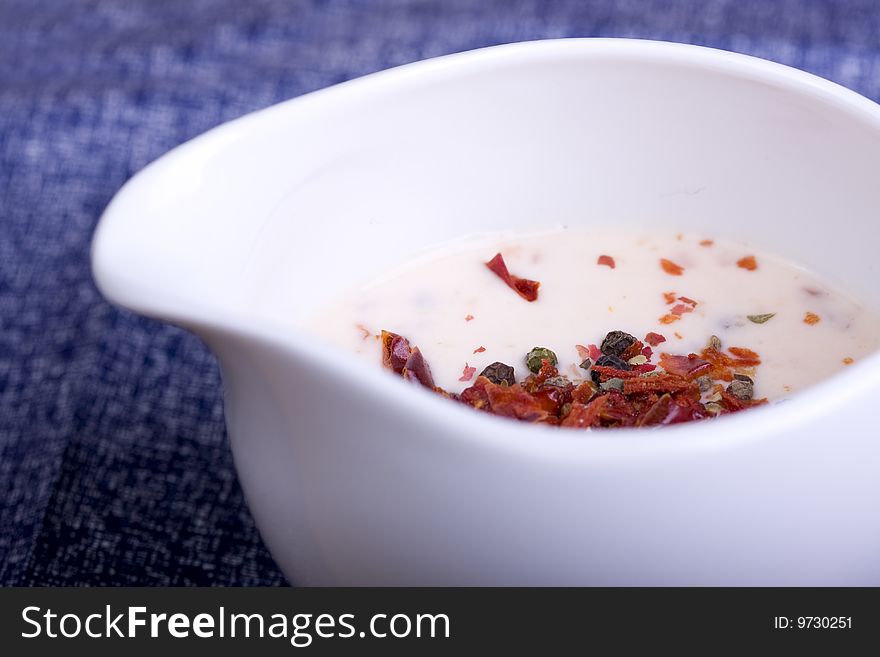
[356, 478]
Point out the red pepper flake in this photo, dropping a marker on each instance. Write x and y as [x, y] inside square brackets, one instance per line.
[659, 383]
[748, 263]
[811, 318]
[668, 319]
[468, 318]
[681, 309]
[746, 355]
[467, 373]
[644, 367]
[595, 352]
[395, 351]
[363, 329]
[585, 415]
[524, 287]
[678, 335]
[647, 352]
[671, 268]
[608, 261]
[479, 350]
[707, 242]
[686, 300]
[687, 367]
[583, 352]
[604, 372]
[848, 361]
[416, 369]
[654, 339]
[669, 297]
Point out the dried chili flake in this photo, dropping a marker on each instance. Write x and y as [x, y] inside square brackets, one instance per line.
[688, 301]
[744, 355]
[513, 401]
[595, 352]
[606, 260]
[848, 361]
[687, 367]
[811, 318]
[669, 318]
[681, 309]
[585, 415]
[395, 351]
[468, 318]
[678, 335]
[364, 330]
[416, 369]
[467, 373]
[748, 263]
[707, 242]
[635, 349]
[669, 297]
[671, 268]
[583, 352]
[616, 370]
[479, 350]
[524, 287]
[654, 339]
[659, 383]
[647, 352]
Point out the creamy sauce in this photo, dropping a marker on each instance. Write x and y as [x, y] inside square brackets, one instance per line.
[449, 304]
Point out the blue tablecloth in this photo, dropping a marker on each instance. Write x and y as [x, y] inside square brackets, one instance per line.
[114, 465]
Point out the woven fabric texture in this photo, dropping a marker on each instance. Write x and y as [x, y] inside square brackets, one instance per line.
[114, 464]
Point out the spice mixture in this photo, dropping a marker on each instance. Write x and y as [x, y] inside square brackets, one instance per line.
[623, 387]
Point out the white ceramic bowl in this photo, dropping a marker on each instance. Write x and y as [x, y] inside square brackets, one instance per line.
[356, 478]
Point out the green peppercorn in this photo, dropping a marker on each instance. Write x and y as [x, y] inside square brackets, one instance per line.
[537, 356]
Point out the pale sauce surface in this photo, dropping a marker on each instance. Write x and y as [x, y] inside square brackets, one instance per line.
[450, 304]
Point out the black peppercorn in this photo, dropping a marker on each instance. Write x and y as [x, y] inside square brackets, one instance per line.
[616, 342]
[499, 374]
